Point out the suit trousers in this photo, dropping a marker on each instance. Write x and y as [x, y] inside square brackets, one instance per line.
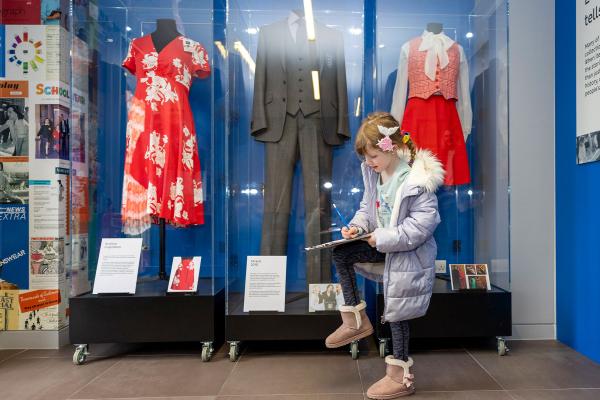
[302, 139]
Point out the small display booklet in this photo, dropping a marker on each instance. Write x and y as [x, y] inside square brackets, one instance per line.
[325, 297]
[336, 242]
[470, 276]
[184, 274]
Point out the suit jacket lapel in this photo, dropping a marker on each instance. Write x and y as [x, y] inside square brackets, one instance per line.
[320, 33]
[285, 32]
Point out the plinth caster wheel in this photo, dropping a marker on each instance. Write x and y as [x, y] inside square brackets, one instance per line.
[80, 354]
[383, 347]
[502, 347]
[207, 351]
[234, 351]
[354, 349]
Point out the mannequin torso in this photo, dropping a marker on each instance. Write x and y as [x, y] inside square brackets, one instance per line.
[166, 31]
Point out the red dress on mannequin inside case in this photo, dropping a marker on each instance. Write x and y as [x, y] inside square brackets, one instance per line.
[162, 168]
[433, 75]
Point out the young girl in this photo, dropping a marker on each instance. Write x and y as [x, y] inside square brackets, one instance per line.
[399, 209]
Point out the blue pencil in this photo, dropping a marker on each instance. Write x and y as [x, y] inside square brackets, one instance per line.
[341, 216]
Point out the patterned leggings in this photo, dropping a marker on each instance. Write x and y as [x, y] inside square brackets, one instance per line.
[344, 257]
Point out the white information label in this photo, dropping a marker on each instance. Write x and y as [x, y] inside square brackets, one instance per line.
[588, 80]
[265, 283]
[118, 265]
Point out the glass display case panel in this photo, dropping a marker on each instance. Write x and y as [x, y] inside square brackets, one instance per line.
[290, 146]
[474, 211]
[106, 133]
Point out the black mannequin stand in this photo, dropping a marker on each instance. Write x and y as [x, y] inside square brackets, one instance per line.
[435, 27]
[162, 267]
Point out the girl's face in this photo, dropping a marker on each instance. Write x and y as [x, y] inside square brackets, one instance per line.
[46, 121]
[379, 160]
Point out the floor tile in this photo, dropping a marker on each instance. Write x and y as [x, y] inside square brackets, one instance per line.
[6, 354]
[96, 350]
[297, 373]
[185, 348]
[557, 394]
[344, 396]
[46, 378]
[434, 371]
[465, 395]
[169, 398]
[159, 376]
[540, 365]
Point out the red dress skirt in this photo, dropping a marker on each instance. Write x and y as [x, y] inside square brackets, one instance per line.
[434, 124]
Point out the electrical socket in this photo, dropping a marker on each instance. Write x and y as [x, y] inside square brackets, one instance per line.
[440, 266]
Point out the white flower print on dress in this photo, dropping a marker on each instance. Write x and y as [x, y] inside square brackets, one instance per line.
[177, 62]
[198, 194]
[156, 152]
[150, 60]
[185, 78]
[158, 90]
[129, 53]
[176, 197]
[153, 205]
[198, 56]
[187, 151]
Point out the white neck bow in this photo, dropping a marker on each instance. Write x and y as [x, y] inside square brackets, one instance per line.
[437, 46]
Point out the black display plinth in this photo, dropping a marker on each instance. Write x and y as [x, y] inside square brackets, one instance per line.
[296, 323]
[457, 314]
[150, 315]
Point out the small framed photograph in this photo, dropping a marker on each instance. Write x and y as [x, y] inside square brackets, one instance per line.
[458, 276]
[325, 297]
[470, 276]
[184, 274]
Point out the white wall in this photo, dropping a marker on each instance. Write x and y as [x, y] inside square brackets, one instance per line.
[531, 108]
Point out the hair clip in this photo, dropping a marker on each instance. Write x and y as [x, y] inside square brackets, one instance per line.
[405, 137]
[386, 144]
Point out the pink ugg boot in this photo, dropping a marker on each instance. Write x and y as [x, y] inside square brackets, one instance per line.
[397, 382]
[355, 326]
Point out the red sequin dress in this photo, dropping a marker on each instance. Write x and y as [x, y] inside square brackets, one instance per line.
[162, 168]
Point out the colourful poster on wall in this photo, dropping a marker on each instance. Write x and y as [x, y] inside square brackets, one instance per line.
[14, 119]
[34, 52]
[20, 12]
[14, 252]
[2, 50]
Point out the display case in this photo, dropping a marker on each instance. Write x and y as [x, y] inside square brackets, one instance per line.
[294, 104]
[282, 188]
[147, 139]
[474, 203]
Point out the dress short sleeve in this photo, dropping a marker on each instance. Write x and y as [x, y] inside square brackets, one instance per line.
[200, 61]
[129, 61]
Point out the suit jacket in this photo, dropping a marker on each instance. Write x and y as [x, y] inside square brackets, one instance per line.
[269, 107]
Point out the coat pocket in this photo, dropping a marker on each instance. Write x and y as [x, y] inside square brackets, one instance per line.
[426, 254]
[269, 98]
[404, 284]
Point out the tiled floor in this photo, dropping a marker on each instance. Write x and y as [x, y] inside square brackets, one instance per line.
[532, 371]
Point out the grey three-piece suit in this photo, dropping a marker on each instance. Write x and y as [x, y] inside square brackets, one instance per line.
[292, 124]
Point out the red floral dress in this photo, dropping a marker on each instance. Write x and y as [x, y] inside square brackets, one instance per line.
[162, 168]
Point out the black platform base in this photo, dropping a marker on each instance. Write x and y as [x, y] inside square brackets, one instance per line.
[151, 315]
[458, 314]
[296, 323]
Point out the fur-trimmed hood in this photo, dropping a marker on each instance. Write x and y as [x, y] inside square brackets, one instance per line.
[426, 172]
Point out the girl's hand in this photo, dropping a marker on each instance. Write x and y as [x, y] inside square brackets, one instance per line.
[371, 240]
[350, 233]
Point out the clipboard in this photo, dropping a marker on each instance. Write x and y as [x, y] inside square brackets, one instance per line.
[336, 243]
